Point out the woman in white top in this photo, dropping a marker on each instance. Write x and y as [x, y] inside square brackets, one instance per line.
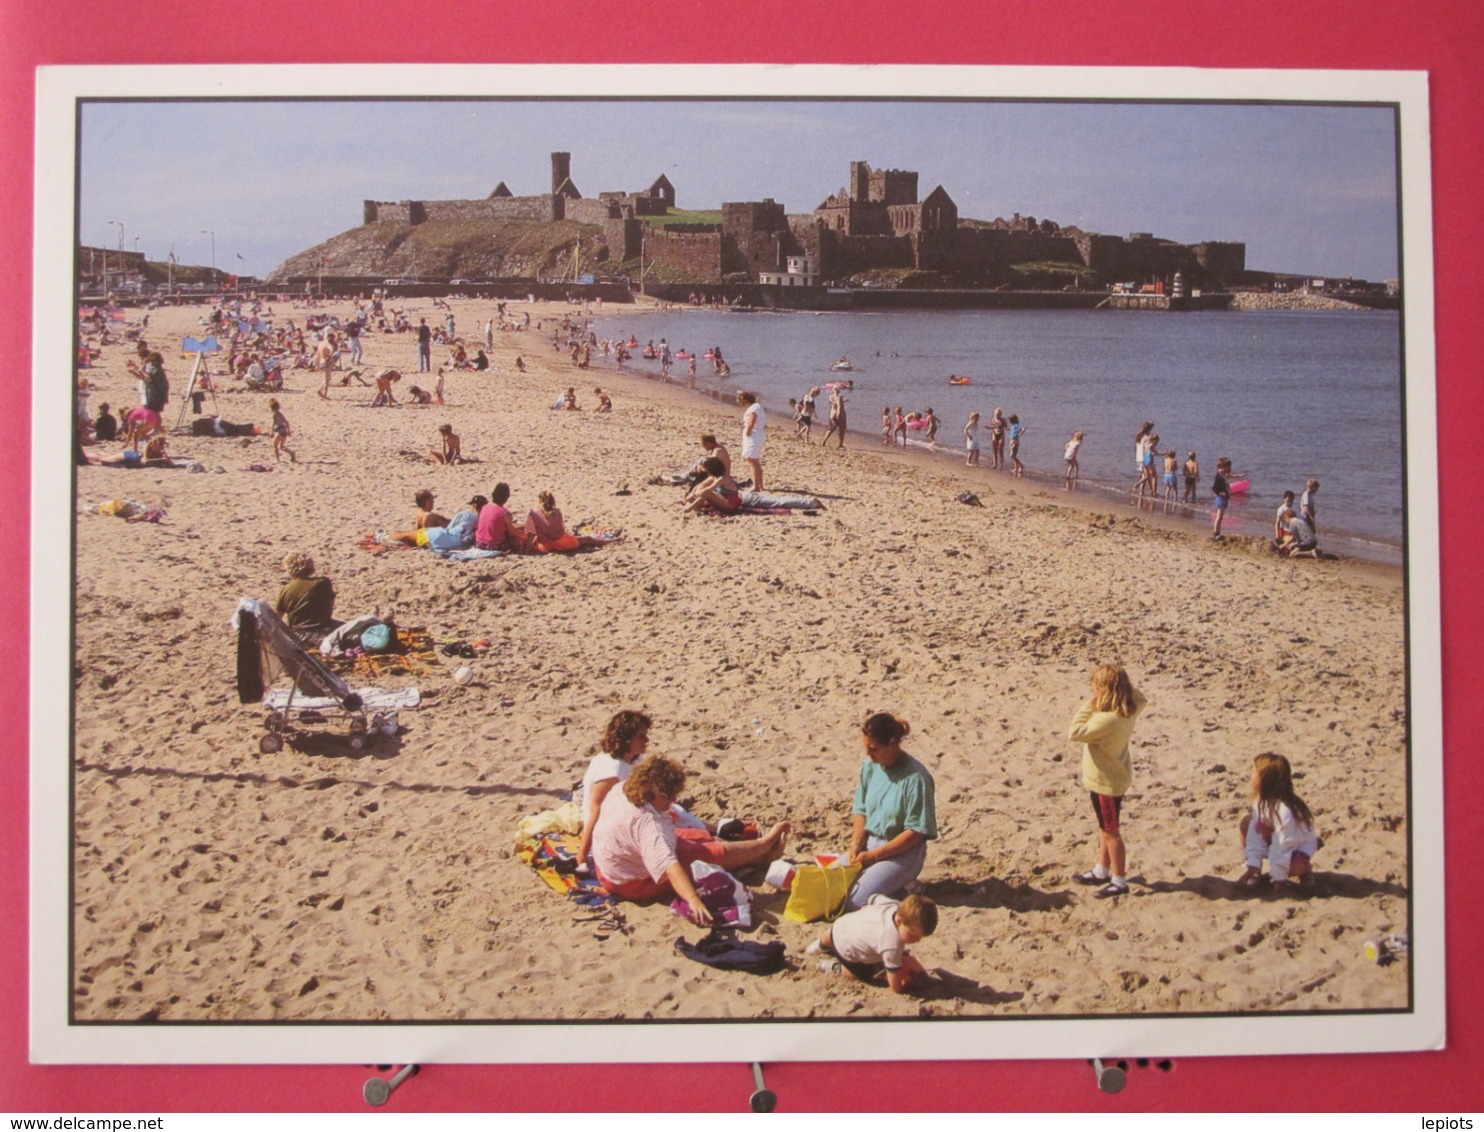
[754, 434]
[624, 742]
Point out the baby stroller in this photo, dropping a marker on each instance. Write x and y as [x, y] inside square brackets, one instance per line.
[266, 647]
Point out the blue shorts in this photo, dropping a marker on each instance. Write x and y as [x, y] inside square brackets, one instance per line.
[1169, 479]
[1221, 503]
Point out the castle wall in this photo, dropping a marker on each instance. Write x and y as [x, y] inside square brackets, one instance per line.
[893, 186]
[593, 211]
[696, 254]
[624, 237]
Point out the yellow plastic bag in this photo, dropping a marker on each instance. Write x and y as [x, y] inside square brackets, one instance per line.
[818, 893]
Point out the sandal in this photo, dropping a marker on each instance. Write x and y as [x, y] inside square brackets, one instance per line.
[1089, 877]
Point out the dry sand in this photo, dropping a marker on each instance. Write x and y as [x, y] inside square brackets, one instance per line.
[213, 882]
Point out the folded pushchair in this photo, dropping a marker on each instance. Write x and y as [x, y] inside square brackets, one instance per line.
[266, 649]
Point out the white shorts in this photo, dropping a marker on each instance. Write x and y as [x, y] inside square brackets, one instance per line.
[752, 448]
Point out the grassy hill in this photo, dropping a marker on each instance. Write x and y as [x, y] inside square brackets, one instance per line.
[472, 249]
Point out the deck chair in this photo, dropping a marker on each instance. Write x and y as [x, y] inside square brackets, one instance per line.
[267, 649]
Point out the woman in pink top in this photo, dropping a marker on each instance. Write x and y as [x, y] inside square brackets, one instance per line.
[496, 529]
[638, 852]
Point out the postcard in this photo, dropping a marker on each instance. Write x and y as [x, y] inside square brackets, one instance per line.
[493, 622]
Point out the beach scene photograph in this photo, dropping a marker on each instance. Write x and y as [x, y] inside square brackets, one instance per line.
[730, 560]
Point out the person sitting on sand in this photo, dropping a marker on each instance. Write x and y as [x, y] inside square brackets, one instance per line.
[481, 361]
[459, 534]
[625, 740]
[569, 401]
[426, 517]
[419, 396]
[710, 446]
[605, 402]
[306, 602]
[497, 530]
[718, 492]
[384, 382]
[106, 427]
[1300, 540]
[452, 451]
[893, 816]
[546, 531]
[639, 854]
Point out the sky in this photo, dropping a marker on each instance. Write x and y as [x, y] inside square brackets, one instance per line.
[1310, 189]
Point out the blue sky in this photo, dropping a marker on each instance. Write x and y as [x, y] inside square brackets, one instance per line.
[1309, 188]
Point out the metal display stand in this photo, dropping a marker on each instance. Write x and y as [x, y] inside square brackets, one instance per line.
[378, 1090]
[763, 1098]
[199, 371]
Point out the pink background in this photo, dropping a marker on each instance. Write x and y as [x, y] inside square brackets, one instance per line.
[1443, 37]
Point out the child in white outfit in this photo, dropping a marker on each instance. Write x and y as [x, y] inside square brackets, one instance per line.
[1279, 827]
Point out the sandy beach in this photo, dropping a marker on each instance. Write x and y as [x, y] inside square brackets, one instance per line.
[213, 882]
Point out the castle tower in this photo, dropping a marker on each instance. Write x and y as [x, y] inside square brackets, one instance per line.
[561, 170]
[860, 181]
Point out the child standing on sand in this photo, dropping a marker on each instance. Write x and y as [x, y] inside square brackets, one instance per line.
[901, 428]
[281, 433]
[1017, 430]
[1103, 725]
[1192, 477]
[886, 425]
[1279, 827]
[1172, 466]
[1222, 495]
[1070, 456]
[875, 938]
[971, 439]
[932, 428]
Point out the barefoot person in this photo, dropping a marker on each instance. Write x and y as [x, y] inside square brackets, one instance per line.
[754, 435]
[640, 855]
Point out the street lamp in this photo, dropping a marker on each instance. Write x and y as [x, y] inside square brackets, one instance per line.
[121, 233]
[209, 232]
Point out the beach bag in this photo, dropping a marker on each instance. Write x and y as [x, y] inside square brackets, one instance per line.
[378, 637]
[727, 953]
[726, 897]
[819, 893]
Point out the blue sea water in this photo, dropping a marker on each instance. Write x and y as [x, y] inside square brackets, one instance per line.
[1288, 395]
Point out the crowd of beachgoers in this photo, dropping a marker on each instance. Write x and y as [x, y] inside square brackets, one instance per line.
[835, 598]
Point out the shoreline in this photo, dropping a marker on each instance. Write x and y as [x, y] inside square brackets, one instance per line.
[1367, 555]
[217, 883]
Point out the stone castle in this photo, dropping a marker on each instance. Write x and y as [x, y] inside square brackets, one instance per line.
[875, 222]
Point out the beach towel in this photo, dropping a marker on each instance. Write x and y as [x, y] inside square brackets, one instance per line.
[372, 699]
[773, 501]
[562, 819]
[414, 653]
[470, 554]
[588, 529]
[554, 857]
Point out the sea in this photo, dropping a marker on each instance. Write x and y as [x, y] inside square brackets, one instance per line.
[1288, 395]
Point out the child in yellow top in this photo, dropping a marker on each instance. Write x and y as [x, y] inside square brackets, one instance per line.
[1104, 724]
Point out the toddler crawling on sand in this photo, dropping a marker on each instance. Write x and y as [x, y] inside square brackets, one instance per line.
[875, 938]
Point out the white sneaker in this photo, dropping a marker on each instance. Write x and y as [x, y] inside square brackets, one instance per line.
[814, 948]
